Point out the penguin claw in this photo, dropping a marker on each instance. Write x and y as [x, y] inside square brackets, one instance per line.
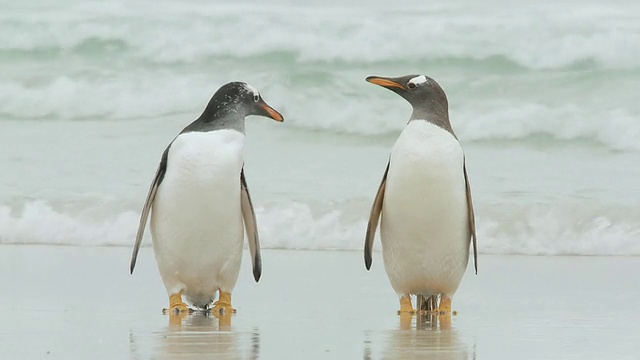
[222, 309]
[445, 305]
[176, 306]
[405, 306]
[177, 310]
[223, 305]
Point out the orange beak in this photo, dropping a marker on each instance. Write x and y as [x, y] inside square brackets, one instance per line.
[272, 112]
[384, 82]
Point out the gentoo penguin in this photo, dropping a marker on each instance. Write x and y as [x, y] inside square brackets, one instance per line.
[199, 200]
[424, 202]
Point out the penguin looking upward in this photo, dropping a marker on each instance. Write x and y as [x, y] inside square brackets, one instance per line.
[199, 201]
[424, 202]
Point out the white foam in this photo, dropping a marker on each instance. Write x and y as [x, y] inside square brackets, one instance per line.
[72, 98]
[560, 230]
[614, 124]
[119, 67]
[532, 35]
[39, 223]
[527, 230]
[614, 128]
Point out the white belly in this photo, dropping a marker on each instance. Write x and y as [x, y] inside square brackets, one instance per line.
[196, 221]
[424, 227]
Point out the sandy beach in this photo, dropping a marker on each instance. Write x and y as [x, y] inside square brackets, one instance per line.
[63, 302]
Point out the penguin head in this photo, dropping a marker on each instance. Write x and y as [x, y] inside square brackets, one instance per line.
[241, 99]
[422, 92]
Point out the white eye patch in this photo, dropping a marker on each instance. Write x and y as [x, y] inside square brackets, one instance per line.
[418, 80]
[253, 91]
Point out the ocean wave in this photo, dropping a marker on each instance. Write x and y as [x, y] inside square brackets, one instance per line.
[334, 108]
[615, 129]
[572, 229]
[73, 98]
[487, 121]
[38, 222]
[531, 36]
[560, 230]
[115, 60]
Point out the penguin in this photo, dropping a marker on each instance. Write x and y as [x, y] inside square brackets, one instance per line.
[423, 203]
[199, 201]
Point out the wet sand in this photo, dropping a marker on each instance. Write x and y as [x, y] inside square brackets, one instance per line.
[80, 302]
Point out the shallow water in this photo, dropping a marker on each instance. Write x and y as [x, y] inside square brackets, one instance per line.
[314, 304]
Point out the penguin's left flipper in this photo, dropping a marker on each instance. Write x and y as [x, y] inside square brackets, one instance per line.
[374, 217]
[472, 219]
[157, 180]
[249, 217]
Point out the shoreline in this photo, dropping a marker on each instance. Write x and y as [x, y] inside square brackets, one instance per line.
[80, 302]
[375, 250]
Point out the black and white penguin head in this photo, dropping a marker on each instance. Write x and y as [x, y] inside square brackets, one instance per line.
[425, 95]
[240, 99]
[419, 90]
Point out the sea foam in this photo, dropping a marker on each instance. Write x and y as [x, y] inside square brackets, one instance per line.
[525, 230]
[535, 36]
[563, 71]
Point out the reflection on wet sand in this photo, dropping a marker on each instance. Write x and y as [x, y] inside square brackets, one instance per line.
[201, 335]
[428, 336]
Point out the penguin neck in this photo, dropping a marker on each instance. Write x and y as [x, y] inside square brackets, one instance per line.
[435, 113]
[218, 115]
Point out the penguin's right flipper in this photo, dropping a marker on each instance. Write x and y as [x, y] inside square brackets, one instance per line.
[157, 180]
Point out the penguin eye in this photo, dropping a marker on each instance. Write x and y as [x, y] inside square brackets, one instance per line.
[411, 85]
[256, 97]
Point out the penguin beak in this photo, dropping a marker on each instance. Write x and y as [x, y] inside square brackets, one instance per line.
[268, 111]
[389, 83]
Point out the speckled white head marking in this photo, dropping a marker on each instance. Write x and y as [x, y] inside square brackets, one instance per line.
[253, 91]
[418, 80]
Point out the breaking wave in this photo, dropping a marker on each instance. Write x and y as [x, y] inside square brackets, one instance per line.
[525, 230]
[531, 36]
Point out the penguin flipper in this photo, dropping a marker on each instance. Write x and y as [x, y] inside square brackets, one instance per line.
[374, 217]
[157, 180]
[472, 219]
[249, 218]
